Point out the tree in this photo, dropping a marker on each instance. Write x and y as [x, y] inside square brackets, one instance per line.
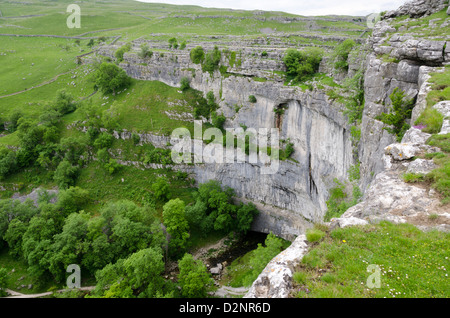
[194, 278]
[174, 219]
[143, 270]
[8, 162]
[197, 55]
[109, 78]
[91, 43]
[65, 174]
[245, 215]
[13, 120]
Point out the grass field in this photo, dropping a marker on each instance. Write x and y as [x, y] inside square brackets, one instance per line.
[411, 263]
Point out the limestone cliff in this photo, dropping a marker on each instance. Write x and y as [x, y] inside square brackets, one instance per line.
[294, 198]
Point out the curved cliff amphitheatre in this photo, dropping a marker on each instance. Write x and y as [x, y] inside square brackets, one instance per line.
[180, 151]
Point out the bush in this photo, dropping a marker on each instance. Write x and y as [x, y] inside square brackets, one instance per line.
[145, 52]
[212, 60]
[302, 64]
[336, 203]
[121, 51]
[340, 54]
[252, 99]
[401, 111]
[185, 84]
[173, 43]
[197, 55]
[218, 120]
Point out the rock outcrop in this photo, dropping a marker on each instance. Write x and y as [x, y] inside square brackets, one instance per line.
[275, 281]
[418, 8]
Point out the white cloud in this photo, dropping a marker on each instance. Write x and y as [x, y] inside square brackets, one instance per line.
[301, 7]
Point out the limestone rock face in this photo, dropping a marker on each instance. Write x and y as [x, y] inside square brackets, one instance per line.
[418, 8]
[276, 279]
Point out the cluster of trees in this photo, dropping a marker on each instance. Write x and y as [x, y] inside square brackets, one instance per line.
[210, 61]
[214, 210]
[125, 246]
[302, 64]
[40, 143]
[173, 43]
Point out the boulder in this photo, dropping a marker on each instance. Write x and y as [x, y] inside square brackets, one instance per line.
[415, 136]
[403, 151]
[421, 166]
[344, 222]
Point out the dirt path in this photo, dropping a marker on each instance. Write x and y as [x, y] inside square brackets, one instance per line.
[40, 85]
[14, 294]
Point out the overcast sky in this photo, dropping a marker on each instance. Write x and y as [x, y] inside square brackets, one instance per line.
[301, 7]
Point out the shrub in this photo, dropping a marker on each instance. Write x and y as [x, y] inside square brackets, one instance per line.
[185, 83]
[197, 55]
[218, 120]
[212, 60]
[401, 111]
[145, 52]
[302, 64]
[336, 203]
[340, 54]
[183, 45]
[173, 43]
[121, 51]
[252, 99]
